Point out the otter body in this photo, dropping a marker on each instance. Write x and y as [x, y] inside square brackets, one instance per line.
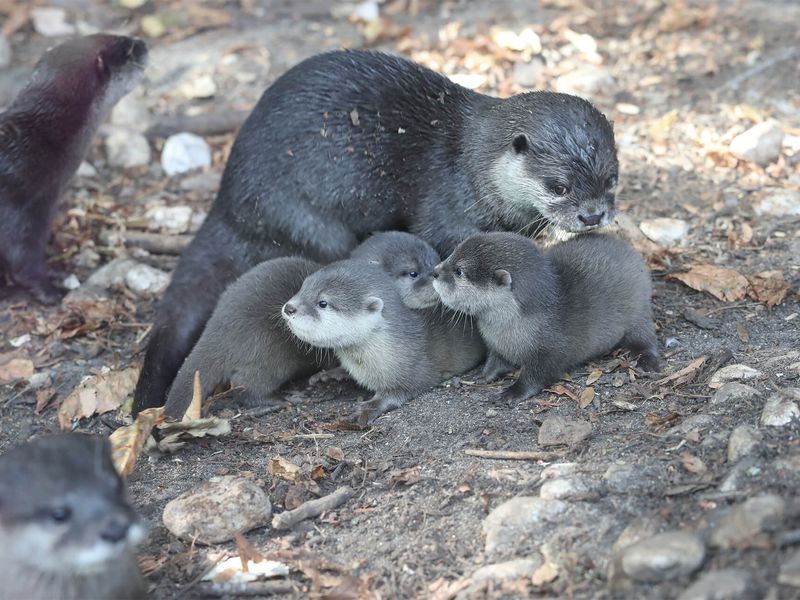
[351, 142]
[354, 308]
[66, 527]
[550, 311]
[246, 343]
[44, 136]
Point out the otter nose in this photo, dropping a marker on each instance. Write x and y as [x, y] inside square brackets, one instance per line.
[591, 220]
[436, 271]
[115, 530]
[289, 309]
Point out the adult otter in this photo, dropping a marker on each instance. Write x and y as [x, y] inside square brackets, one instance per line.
[44, 136]
[351, 142]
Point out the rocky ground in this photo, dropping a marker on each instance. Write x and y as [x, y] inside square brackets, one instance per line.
[613, 483]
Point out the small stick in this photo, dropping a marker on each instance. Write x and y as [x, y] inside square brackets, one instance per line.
[512, 455]
[213, 123]
[313, 508]
[157, 243]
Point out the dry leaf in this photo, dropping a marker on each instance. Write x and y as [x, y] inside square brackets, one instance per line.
[334, 453]
[684, 375]
[247, 552]
[661, 422]
[544, 574]
[193, 413]
[741, 236]
[175, 435]
[594, 376]
[742, 333]
[562, 391]
[127, 442]
[280, 467]
[16, 369]
[586, 397]
[724, 284]
[768, 287]
[693, 464]
[97, 394]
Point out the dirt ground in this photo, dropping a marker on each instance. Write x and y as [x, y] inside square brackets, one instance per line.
[680, 82]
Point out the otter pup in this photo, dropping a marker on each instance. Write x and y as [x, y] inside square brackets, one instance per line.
[44, 136]
[551, 311]
[66, 527]
[409, 260]
[351, 142]
[246, 343]
[354, 308]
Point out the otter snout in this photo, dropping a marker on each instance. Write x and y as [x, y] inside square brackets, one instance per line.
[592, 220]
[289, 309]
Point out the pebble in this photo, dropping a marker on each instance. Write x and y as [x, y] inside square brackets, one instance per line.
[737, 476]
[171, 219]
[558, 431]
[732, 373]
[779, 411]
[199, 87]
[50, 21]
[111, 274]
[734, 392]
[505, 571]
[145, 280]
[71, 282]
[726, 584]
[779, 203]
[587, 80]
[693, 423]
[39, 380]
[566, 488]
[744, 439]
[558, 470]
[131, 113]
[631, 478]
[664, 231]
[517, 519]
[747, 520]
[184, 152]
[790, 571]
[205, 181]
[218, 509]
[663, 556]
[5, 52]
[87, 170]
[126, 149]
[760, 144]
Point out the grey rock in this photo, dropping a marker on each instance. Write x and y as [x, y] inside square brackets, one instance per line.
[171, 219]
[558, 431]
[630, 478]
[131, 114]
[568, 488]
[779, 411]
[779, 203]
[126, 149]
[39, 380]
[207, 181]
[736, 372]
[505, 571]
[726, 584]
[693, 423]
[789, 463]
[518, 518]
[732, 392]
[790, 571]
[111, 274]
[760, 144]
[218, 509]
[558, 470]
[145, 280]
[184, 152]
[87, 170]
[663, 556]
[743, 440]
[665, 231]
[747, 520]
[588, 81]
[737, 477]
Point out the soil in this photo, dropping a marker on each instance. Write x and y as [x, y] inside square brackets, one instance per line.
[415, 527]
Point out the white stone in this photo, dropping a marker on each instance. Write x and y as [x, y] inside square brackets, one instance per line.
[145, 280]
[744, 439]
[5, 52]
[86, 169]
[747, 520]
[20, 341]
[779, 411]
[50, 21]
[760, 144]
[732, 373]
[733, 392]
[111, 274]
[564, 488]
[517, 518]
[663, 556]
[589, 81]
[39, 380]
[200, 87]
[184, 152]
[172, 219]
[556, 431]
[779, 203]
[217, 510]
[126, 149]
[725, 584]
[664, 231]
[71, 282]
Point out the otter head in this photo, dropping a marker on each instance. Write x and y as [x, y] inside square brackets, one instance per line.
[63, 507]
[556, 165]
[480, 274]
[93, 72]
[410, 262]
[335, 308]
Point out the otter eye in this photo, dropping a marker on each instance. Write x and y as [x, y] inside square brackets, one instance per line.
[413, 274]
[559, 189]
[459, 273]
[611, 182]
[322, 304]
[60, 514]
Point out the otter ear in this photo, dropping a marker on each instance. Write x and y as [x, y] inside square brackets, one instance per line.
[502, 278]
[520, 143]
[374, 304]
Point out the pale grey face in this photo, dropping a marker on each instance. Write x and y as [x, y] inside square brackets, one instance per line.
[464, 287]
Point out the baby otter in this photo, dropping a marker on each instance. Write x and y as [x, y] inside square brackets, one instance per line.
[44, 136]
[66, 527]
[354, 308]
[351, 142]
[407, 258]
[246, 343]
[551, 311]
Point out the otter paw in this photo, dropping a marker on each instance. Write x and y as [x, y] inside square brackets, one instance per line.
[518, 392]
[336, 374]
[649, 362]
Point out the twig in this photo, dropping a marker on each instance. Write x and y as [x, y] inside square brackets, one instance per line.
[214, 123]
[512, 455]
[264, 410]
[157, 243]
[312, 508]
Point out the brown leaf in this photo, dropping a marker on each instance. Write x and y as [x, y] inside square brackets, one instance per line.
[562, 391]
[742, 333]
[693, 464]
[318, 472]
[97, 394]
[741, 236]
[684, 375]
[724, 284]
[544, 574]
[334, 453]
[247, 552]
[16, 369]
[127, 442]
[43, 398]
[404, 477]
[594, 376]
[586, 397]
[282, 468]
[660, 422]
[768, 287]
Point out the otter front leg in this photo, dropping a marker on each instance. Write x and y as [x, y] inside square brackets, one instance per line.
[381, 403]
[495, 366]
[529, 383]
[26, 266]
